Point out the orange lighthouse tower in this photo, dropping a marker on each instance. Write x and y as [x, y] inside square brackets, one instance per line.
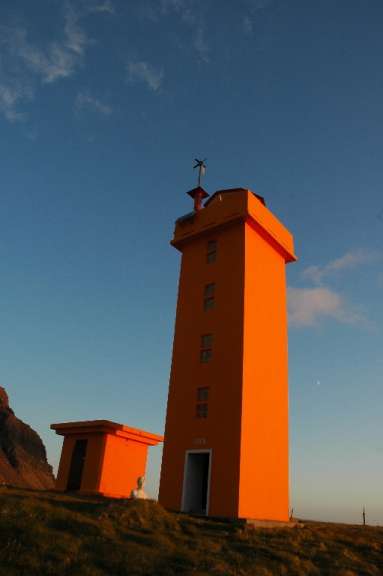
[226, 436]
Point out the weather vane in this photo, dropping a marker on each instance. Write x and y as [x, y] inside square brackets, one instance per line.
[200, 164]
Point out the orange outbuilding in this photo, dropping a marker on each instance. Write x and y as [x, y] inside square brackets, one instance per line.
[226, 436]
[102, 457]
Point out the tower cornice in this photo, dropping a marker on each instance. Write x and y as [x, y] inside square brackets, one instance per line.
[230, 207]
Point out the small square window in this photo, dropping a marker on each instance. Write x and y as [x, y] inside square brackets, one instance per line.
[206, 350]
[208, 297]
[203, 394]
[206, 341]
[211, 251]
[201, 410]
[208, 303]
[206, 355]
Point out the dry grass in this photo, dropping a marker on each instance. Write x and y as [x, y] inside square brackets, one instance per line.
[44, 533]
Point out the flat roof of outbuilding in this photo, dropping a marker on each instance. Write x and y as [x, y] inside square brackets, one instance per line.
[106, 427]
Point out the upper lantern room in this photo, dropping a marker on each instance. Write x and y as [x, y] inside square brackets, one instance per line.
[227, 207]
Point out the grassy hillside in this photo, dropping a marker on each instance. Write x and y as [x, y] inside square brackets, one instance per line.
[45, 533]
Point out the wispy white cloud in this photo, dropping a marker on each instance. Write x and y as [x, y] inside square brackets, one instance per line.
[61, 58]
[86, 100]
[57, 60]
[52, 65]
[141, 71]
[11, 95]
[75, 37]
[24, 64]
[306, 306]
[106, 7]
[310, 304]
[350, 260]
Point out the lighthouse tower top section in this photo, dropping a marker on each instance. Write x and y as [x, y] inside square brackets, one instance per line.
[226, 437]
[232, 206]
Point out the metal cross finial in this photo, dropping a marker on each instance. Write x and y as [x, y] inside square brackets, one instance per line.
[200, 164]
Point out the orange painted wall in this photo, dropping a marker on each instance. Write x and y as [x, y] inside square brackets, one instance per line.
[246, 428]
[183, 430]
[116, 479]
[92, 466]
[264, 427]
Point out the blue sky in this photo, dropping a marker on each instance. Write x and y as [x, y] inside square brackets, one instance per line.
[103, 107]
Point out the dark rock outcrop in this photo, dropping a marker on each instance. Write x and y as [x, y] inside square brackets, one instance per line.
[23, 459]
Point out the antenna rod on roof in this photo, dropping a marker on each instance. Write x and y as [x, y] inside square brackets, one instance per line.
[198, 193]
[200, 164]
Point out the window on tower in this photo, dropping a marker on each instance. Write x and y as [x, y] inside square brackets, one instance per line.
[206, 350]
[203, 394]
[211, 251]
[201, 410]
[208, 296]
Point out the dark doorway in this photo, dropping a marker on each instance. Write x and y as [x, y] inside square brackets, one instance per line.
[77, 465]
[196, 482]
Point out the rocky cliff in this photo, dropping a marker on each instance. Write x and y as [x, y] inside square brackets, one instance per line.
[23, 460]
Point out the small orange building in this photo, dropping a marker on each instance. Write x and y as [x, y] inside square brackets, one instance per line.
[102, 457]
[226, 436]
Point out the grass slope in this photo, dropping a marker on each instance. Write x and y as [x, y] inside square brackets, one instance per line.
[45, 533]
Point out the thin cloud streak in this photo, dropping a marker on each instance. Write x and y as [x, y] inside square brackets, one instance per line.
[141, 71]
[10, 97]
[102, 7]
[85, 100]
[75, 37]
[348, 261]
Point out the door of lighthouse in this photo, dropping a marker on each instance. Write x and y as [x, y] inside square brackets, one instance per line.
[196, 483]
